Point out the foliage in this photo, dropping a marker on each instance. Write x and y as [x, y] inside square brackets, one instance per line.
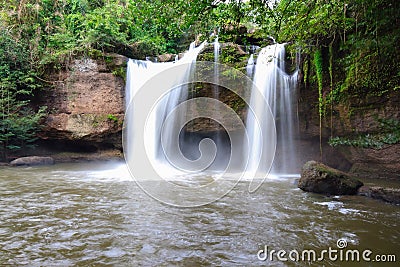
[112, 117]
[120, 72]
[358, 37]
[360, 30]
[390, 134]
[359, 33]
[318, 71]
[63, 29]
[18, 124]
[367, 141]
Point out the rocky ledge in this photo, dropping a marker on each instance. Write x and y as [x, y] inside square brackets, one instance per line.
[391, 195]
[319, 178]
[86, 103]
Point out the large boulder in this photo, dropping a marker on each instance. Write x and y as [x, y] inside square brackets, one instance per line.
[319, 178]
[32, 161]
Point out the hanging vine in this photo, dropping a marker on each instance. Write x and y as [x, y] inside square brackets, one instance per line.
[318, 71]
[331, 83]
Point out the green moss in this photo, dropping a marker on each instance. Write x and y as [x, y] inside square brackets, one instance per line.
[318, 72]
[238, 105]
[231, 56]
[120, 72]
[112, 117]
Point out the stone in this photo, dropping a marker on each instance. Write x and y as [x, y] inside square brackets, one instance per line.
[319, 178]
[87, 104]
[165, 58]
[32, 161]
[355, 116]
[374, 163]
[391, 195]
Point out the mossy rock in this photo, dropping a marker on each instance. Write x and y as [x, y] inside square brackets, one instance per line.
[319, 178]
[231, 54]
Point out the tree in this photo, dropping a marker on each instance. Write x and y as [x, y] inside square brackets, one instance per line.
[18, 124]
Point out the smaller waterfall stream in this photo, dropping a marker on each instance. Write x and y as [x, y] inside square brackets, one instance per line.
[217, 48]
[216, 91]
[250, 66]
[278, 89]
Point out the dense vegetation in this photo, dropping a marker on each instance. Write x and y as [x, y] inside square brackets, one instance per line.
[348, 47]
[18, 123]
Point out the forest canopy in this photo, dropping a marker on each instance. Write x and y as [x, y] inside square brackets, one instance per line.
[355, 41]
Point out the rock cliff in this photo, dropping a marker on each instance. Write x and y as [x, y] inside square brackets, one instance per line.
[356, 116]
[86, 105]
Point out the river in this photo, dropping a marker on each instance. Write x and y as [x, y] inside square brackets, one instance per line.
[93, 214]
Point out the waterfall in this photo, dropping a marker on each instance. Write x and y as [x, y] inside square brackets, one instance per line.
[156, 145]
[216, 69]
[278, 89]
[138, 73]
[217, 47]
[250, 66]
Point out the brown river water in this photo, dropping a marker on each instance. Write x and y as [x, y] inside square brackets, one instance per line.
[94, 214]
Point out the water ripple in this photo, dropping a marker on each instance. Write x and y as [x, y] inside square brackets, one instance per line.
[59, 216]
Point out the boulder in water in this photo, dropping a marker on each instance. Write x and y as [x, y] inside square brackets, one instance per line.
[391, 195]
[319, 178]
[32, 161]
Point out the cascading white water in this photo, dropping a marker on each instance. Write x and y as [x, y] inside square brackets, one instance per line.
[217, 47]
[276, 86]
[250, 66]
[138, 73]
[278, 89]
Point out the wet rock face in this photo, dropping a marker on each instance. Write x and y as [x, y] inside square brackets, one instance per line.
[375, 163]
[319, 178]
[226, 121]
[232, 55]
[87, 102]
[356, 116]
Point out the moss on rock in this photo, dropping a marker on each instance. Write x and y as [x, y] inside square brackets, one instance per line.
[319, 178]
